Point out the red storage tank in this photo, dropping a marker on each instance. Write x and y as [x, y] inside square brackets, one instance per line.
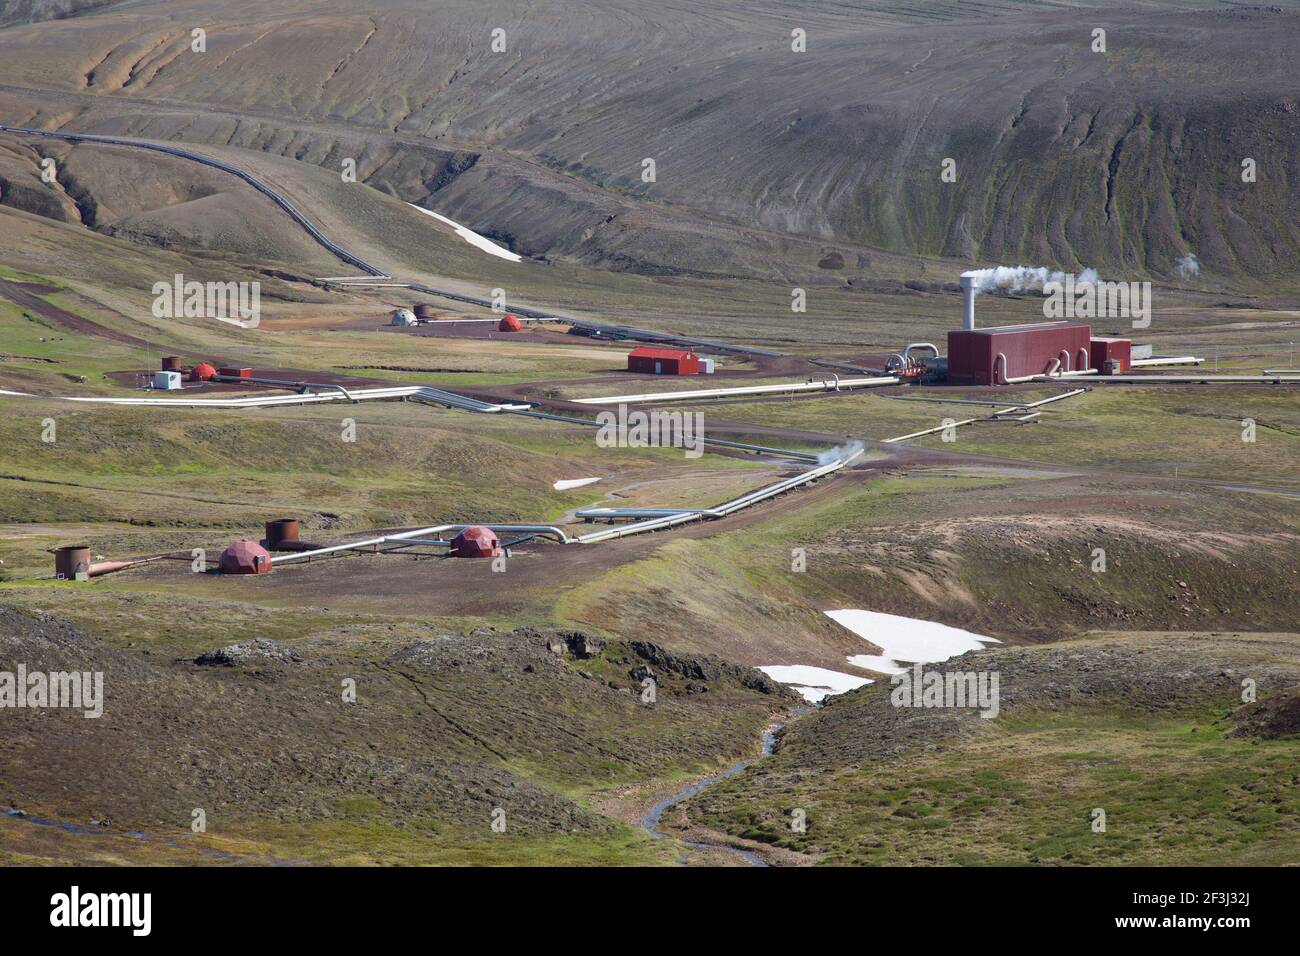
[245, 556]
[509, 323]
[476, 542]
[656, 361]
[976, 356]
[203, 372]
[282, 534]
[1119, 349]
[71, 561]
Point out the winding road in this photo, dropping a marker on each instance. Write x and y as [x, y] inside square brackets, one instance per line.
[266, 190]
[344, 255]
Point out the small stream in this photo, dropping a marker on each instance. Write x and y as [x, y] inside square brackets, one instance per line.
[650, 822]
[80, 830]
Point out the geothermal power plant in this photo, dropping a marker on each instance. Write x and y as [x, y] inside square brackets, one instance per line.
[982, 357]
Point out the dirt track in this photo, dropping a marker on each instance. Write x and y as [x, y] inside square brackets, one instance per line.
[27, 295]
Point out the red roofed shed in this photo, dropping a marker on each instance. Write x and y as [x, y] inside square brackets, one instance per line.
[656, 361]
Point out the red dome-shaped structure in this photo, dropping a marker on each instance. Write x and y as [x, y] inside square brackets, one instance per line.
[509, 323]
[203, 372]
[476, 541]
[245, 556]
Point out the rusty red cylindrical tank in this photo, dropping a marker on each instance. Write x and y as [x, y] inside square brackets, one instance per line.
[71, 561]
[171, 363]
[203, 372]
[424, 311]
[509, 323]
[476, 541]
[245, 556]
[282, 531]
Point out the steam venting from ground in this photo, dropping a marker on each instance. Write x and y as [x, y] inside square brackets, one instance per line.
[1024, 278]
[1187, 267]
[839, 452]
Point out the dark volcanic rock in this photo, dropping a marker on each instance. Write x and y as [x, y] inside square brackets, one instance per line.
[248, 652]
[1272, 718]
[705, 668]
[583, 646]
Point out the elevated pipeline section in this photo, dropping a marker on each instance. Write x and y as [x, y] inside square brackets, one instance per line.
[647, 519]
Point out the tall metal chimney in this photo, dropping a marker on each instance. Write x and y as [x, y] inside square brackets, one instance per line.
[968, 302]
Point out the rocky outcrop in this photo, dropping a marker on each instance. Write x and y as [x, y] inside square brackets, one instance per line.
[249, 652]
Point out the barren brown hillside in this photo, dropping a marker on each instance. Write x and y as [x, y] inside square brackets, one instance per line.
[1124, 160]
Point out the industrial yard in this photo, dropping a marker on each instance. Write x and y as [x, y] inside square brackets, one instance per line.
[505, 511]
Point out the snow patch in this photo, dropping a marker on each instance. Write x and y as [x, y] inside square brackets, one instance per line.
[565, 484]
[472, 237]
[905, 639]
[814, 683]
[814, 695]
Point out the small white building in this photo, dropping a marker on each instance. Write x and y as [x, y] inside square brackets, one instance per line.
[167, 379]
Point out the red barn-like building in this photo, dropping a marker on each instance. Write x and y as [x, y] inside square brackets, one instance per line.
[992, 356]
[656, 361]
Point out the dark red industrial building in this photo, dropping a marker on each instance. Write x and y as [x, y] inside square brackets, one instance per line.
[995, 355]
[476, 541]
[245, 556]
[656, 361]
[1121, 350]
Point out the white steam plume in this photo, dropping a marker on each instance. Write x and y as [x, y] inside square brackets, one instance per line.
[1187, 267]
[1024, 278]
[839, 452]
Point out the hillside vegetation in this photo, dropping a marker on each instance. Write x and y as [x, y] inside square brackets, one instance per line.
[1150, 730]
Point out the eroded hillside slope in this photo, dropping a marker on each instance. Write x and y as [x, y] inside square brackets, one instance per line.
[1137, 151]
